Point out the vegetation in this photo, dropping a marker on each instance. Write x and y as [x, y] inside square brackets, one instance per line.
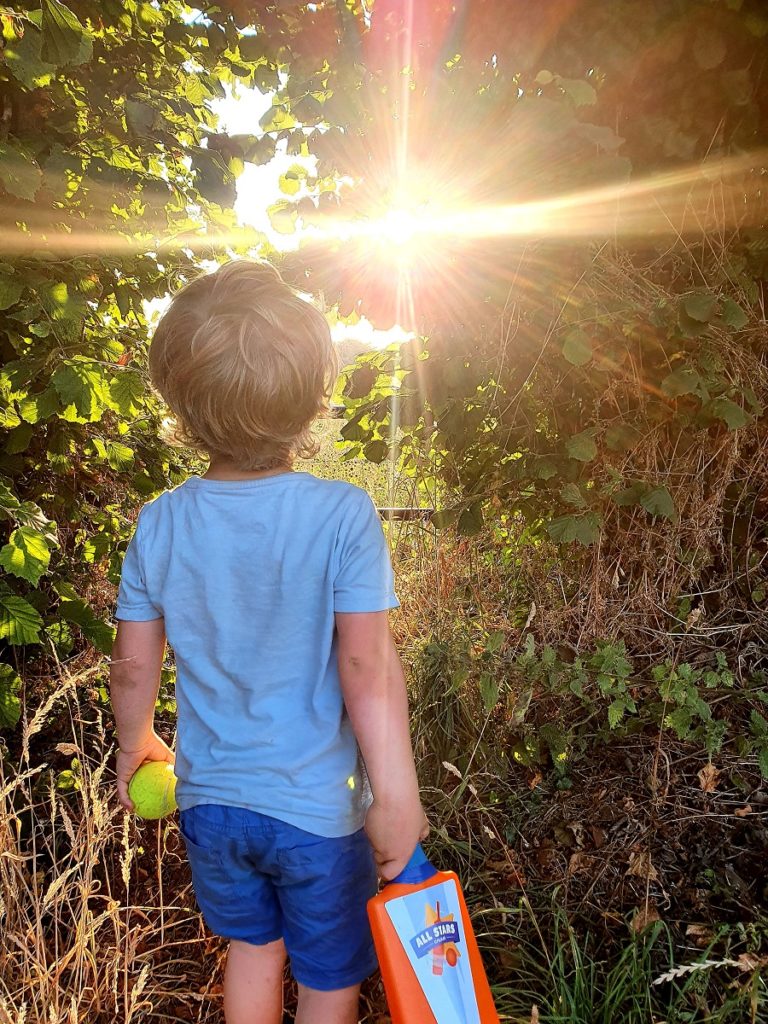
[567, 205]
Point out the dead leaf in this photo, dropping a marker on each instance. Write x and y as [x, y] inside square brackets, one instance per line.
[641, 866]
[701, 934]
[579, 861]
[534, 781]
[534, 1015]
[742, 812]
[67, 748]
[598, 836]
[531, 616]
[644, 916]
[709, 777]
[452, 769]
[751, 962]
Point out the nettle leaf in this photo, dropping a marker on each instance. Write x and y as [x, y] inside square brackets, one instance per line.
[658, 501]
[10, 703]
[700, 306]
[19, 172]
[10, 291]
[566, 529]
[27, 554]
[683, 381]
[577, 347]
[582, 446]
[733, 315]
[20, 623]
[65, 41]
[727, 410]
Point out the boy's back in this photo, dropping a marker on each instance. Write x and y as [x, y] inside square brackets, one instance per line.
[248, 576]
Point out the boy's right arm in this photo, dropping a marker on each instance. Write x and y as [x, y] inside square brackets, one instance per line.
[376, 699]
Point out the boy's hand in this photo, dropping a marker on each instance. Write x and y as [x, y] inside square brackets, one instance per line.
[394, 831]
[128, 761]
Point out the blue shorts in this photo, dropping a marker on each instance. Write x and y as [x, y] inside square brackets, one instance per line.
[258, 879]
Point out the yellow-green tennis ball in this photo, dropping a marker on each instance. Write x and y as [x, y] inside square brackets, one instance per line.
[153, 790]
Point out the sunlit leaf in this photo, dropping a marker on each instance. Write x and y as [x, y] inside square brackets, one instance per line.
[26, 554]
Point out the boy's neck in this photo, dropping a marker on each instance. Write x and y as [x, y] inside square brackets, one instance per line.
[224, 469]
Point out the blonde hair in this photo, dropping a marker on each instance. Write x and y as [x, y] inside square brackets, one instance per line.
[245, 366]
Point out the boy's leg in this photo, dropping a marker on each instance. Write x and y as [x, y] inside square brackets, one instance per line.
[338, 1007]
[253, 983]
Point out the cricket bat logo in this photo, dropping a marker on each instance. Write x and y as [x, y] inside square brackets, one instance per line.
[446, 952]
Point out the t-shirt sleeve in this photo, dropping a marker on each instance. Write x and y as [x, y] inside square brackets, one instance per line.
[133, 603]
[364, 580]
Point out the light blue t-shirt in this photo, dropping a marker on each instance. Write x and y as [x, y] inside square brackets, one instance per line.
[247, 575]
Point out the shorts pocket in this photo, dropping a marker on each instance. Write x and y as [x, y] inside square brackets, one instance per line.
[210, 878]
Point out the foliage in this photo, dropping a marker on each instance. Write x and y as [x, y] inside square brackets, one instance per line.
[594, 362]
[113, 183]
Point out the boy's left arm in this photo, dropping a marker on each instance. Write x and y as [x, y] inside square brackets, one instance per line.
[134, 682]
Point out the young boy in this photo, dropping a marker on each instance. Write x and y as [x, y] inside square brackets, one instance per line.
[272, 587]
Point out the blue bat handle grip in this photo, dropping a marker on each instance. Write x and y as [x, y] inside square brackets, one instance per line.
[418, 869]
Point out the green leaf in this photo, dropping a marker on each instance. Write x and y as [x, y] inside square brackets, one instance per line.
[683, 381]
[81, 387]
[127, 392]
[566, 529]
[376, 451]
[19, 172]
[65, 41]
[490, 687]
[616, 711]
[577, 347]
[26, 554]
[629, 495]
[658, 501]
[471, 521]
[35, 408]
[581, 446]
[10, 704]
[140, 117]
[10, 291]
[727, 410]
[571, 495]
[20, 623]
[18, 439]
[119, 456]
[733, 315]
[700, 306]
[444, 518]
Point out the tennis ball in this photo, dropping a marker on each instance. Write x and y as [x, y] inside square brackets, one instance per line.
[153, 790]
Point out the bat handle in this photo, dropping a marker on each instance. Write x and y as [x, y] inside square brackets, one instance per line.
[418, 869]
